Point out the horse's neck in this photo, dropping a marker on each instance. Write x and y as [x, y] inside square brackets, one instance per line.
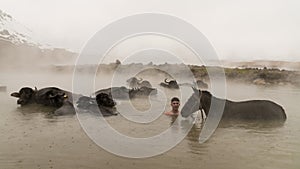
[205, 102]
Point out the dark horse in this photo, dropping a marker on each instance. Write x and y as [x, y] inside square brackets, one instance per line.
[244, 110]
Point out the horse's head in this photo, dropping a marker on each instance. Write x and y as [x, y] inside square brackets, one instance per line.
[193, 104]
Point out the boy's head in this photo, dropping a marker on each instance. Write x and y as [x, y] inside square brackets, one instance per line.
[175, 103]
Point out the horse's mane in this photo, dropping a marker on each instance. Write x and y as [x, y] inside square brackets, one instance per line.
[206, 92]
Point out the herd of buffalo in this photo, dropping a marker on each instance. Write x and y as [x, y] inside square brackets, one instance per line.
[104, 100]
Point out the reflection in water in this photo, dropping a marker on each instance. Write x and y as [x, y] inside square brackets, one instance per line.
[173, 119]
[45, 111]
[257, 124]
[193, 137]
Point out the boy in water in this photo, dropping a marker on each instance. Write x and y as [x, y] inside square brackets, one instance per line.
[175, 103]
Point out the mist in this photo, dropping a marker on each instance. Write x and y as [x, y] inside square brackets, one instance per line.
[239, 30]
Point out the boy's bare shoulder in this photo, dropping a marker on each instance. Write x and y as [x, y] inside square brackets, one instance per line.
[171, 113]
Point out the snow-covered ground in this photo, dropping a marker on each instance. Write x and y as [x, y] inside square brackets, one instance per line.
[13, 31]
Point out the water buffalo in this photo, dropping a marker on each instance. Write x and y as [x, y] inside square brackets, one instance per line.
[102, 102]
[172, 84]
[50, 96]
[137, 83]
[142, 91]
[125, 93]
[115, 92]
[198, 84]
[54, 97]
[244, 110]
[145, 83]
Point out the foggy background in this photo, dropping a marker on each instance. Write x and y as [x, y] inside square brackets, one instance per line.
[239, 30]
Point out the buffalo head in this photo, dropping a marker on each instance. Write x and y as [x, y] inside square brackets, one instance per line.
[25, 95]
[134, 82]
[104, 99]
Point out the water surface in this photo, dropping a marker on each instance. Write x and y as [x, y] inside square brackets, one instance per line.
[30, 139]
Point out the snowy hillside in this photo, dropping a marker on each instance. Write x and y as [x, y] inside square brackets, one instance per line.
[18, 49]
[13, 31]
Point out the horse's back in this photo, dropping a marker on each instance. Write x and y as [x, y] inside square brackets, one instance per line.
[254, 110]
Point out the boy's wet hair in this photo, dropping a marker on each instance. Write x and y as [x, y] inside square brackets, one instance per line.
[175, 99]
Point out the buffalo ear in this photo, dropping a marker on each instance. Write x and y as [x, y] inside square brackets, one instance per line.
[15, 94]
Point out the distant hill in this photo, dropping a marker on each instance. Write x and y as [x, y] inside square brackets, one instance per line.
[18, 50]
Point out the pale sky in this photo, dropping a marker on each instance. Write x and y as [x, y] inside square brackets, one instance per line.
[238, 29]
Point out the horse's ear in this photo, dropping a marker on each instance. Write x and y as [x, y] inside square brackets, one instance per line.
[35, 89]
[195, 90]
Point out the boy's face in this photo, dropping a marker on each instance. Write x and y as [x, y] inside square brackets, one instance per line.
[175, 105]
